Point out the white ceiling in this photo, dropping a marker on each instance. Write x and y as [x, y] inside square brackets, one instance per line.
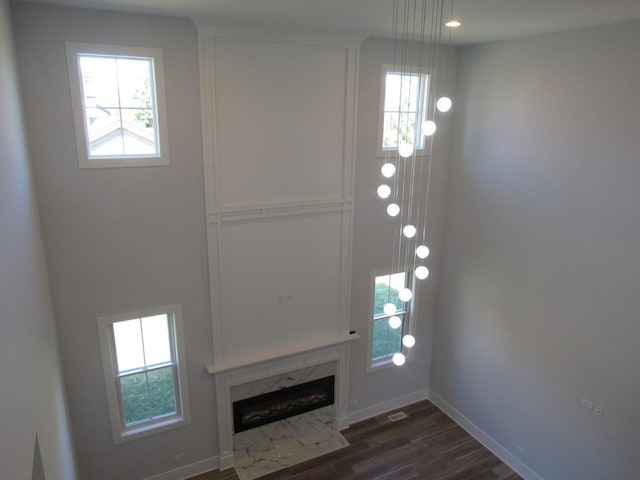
[484, 20]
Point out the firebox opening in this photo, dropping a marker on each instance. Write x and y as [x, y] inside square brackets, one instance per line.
[287, 402]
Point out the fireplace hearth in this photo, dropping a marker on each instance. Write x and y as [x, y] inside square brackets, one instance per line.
[286, 402]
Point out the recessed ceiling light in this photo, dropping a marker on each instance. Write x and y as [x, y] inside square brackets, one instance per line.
[453, 23]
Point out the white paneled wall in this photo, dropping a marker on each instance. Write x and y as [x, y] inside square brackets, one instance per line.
[278, 129]
[295, 257]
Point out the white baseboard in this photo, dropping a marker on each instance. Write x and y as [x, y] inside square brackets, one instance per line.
[498, 450]
[188, 471]
[343, 423]
[399, 402]
[226, 461]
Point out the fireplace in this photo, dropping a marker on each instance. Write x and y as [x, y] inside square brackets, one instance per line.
[236, 381]
[286, 402]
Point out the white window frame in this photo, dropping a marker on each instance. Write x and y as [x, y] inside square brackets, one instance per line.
[77, 104]
[407, 326]
[420, 142]
[122, 432]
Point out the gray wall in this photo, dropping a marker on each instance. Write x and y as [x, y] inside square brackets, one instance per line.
[32, 396]
[122, 238]
[538, 305]
[373, 230]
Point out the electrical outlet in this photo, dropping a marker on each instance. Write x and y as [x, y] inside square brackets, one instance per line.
[598, 410]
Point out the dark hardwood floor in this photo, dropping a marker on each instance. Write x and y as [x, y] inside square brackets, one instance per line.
[427, 445]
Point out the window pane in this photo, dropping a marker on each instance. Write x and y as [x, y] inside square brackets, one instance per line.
[390, 130]
[119, 101]
[386, 290]
[100, 118]
[409, 93]
[386, 340]
[105, 131]
[398, 127]
[134, 82]
[384, 294]
[398, 280]
[406, 127]
[128, 339]
[392, 92]
[404, 100]
[149, 396]
[99, 81]
[140, 119]
[162, 392]
[401, 92]
[157, 346]
[135, 398]
[139, 132]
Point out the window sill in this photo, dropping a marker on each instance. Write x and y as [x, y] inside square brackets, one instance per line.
[145, 430]
[384, 363]
[118, 162]
[418, 152]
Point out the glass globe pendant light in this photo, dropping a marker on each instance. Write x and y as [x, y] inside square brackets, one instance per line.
[388, 170]
[389, 308]
[409, 231]
[408, 341]
[444, 104]
[428, 127]
[393, 209]
[405, 150]
[398, 359]
[405, 294]
[395, 322]
[384, 191]
[421, 272]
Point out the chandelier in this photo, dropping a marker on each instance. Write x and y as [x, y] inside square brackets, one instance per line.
[411, 113]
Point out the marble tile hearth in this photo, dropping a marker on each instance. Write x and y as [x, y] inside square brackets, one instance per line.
[275, 446]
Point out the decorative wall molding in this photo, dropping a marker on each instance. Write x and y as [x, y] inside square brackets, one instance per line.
[326, 38]
[240, 202]
[485, 439]
[279, 246]
[257, 211]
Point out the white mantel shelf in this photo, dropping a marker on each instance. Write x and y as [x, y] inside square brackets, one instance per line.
[281, 353]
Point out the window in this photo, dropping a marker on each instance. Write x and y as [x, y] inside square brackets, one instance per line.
[403, 106]
[144, 369]
[387, 329]
[118, 102]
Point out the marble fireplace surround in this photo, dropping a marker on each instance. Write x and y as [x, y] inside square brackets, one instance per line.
[236, 377]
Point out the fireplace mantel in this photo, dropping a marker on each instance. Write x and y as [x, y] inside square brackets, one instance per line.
[230, 374]
[234, 364]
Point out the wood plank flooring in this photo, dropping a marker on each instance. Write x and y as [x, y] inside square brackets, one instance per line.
[427, 445]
